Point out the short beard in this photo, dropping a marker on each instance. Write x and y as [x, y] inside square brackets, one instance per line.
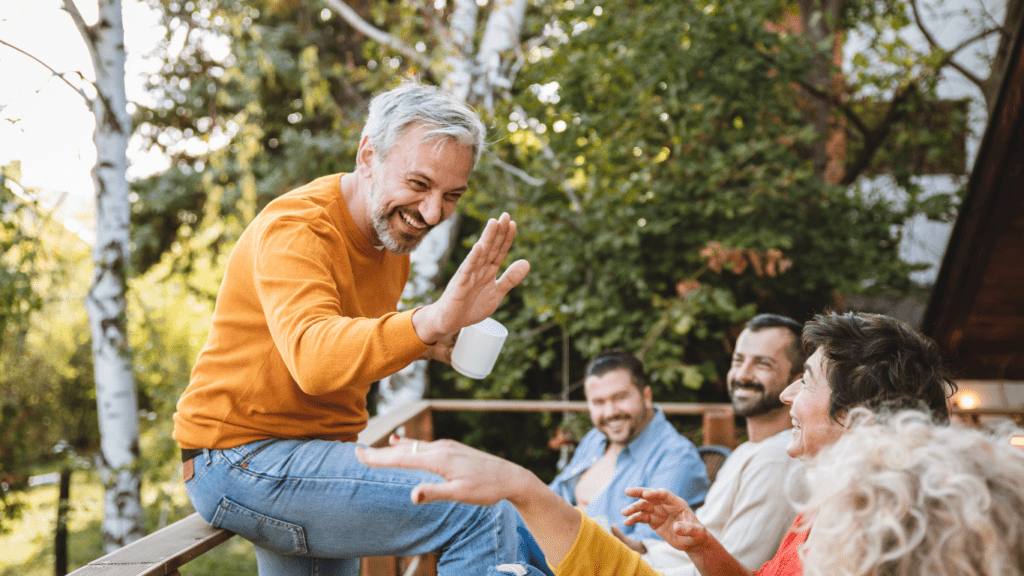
[767, 403]
[637, 425]
[382, 228]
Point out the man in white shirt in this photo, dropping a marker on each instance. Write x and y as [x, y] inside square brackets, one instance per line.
[748, 507]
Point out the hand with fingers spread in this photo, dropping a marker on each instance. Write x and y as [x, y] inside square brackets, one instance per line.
[668, 515]
[676, 523]
[475, 477]
[472, 476]
[473, 293]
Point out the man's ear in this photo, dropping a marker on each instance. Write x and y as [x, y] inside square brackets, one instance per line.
[648, 395]
[365, 157]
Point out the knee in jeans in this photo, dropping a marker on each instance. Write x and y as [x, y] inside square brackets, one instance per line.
[262, 530]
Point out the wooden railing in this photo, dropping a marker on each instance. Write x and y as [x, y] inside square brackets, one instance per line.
[164, 551]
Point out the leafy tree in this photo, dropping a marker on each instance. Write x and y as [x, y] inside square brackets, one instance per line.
[19, 250]
[47, 403]
[674, 167]
[105, 301]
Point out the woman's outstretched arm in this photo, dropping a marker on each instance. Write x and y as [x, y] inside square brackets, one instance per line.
[478, 478]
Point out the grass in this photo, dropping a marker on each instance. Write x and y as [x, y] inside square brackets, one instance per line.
[27, 549]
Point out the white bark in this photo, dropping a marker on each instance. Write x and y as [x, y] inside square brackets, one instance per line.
[115, 385]
[500, 37]
[458, 77]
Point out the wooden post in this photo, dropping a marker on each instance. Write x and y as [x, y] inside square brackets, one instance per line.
[379, 566]
[421, 427]
[719, 429]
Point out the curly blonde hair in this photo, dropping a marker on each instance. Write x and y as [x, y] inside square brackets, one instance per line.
[900, 495]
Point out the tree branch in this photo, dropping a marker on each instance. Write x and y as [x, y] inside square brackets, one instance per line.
[550, 155]
[821, 95]
[842, 106]
[55, 73]
[89, 36]
[76, 17]
[515, 171]
[874, 138]
[948, 59]
[529, 334]
[357, 22]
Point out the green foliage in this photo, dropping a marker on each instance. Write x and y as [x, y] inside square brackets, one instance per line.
[674, 127]
[290, 96]
[47, 398]
[19, 253]
[29, 547]
[680, 190]
[169, 318]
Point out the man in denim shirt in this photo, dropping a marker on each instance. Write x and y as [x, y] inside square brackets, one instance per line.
[632, 444]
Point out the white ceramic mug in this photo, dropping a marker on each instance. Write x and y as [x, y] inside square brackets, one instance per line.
[477, 348]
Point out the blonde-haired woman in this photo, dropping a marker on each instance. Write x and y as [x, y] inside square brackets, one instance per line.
[906, 497]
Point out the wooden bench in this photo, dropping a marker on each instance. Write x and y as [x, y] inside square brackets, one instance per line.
[164, 551]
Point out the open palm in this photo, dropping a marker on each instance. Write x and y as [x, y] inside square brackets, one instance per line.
[669, 516]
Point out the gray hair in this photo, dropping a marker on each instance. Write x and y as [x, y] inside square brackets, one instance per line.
[899, 495]
[393, 112]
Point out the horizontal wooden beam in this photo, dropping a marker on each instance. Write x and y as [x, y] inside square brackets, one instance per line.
[160, 553]
[687, 408]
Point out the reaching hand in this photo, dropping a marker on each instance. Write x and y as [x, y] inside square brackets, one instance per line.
[668, 515]
[634, 545]
[473, 293]
[472, 476]
[475, 477]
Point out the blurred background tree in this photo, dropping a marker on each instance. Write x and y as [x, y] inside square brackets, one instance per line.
[47, 399]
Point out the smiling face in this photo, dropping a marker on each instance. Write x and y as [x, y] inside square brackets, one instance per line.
[414, 189]
[760, 371]
[618, 409]
[809, 397]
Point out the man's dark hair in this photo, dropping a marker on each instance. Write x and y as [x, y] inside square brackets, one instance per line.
[617, 359]
[880, 363]
[795, 350]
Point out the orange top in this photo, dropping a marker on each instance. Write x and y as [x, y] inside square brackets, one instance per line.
[305, 321]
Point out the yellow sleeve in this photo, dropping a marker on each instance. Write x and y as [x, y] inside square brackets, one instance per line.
[596, 552]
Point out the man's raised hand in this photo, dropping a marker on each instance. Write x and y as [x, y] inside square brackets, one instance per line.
[473, 292]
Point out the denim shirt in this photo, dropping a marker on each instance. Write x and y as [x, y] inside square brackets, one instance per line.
[659, 457]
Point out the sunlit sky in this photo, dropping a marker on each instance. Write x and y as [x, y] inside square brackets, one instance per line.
[44, 122]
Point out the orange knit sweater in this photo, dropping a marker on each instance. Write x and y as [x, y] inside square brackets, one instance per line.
[305, 321]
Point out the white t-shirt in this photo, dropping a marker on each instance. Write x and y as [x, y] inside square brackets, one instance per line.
[747, 509]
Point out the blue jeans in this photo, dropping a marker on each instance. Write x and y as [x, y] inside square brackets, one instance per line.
[310, 507]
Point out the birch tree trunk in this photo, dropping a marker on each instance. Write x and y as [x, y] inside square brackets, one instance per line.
[115, 387]
[473, 75]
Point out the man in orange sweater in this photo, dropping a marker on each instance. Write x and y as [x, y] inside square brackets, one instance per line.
[306, 320]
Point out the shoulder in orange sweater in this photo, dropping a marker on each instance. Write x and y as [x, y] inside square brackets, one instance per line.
[304, 322]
